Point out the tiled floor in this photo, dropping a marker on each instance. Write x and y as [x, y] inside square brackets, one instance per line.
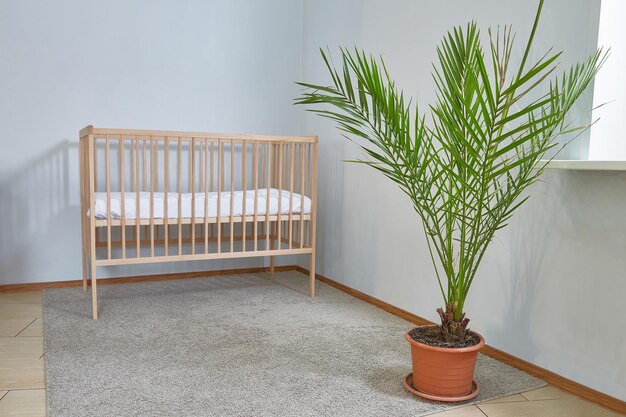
[22, 389]
[22, 386]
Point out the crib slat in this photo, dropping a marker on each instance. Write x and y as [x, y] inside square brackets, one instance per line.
[223, 173]
[152, 197]
[95, 166]
[122, 198]
[156, 164]
[302, 191]
[190, 155]
[143, 166]
[232, 193]
[291, 169]
[145, 175]
[280, 194]
[166, 184]
[211, 179]
[274, 229]
[302, 174]
[180, 200]
[275, 164]
[306, 191]
[95, 176]
[192, 186]
[296, 186]
[267, 199]
[262, 173]
[221, 156]
[108, 187]
[220, 174]
[262, 181]
[201, 164]
[137, 201]
[255, 180]
[243, 188]
[132, 179]
[156, 176]
[206, 197]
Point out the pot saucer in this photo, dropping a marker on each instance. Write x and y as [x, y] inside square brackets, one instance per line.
[407, 381]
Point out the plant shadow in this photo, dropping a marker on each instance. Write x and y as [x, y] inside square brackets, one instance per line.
[37, 211]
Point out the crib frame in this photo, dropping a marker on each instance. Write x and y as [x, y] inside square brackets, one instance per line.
[145, 164]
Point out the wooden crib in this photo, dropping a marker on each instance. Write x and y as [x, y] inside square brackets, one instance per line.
[164, 196]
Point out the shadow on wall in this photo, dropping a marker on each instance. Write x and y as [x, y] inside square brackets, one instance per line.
[331, 202]
[39, 216]
[566, 238]
[530, 236]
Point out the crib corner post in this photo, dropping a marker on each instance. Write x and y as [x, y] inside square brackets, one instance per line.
[92, 222]
[313, 219]
[83, 209]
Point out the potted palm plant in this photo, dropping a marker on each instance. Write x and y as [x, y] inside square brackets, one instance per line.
[464, 165]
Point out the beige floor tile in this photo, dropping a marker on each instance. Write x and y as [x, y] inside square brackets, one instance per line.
[469, 411]
[11, 327]
[35, 329]
[546, 393]
[572, 407]
[23, 374]
[508, 399]
[17, 348]
[31, 297]
[2, 394]
[20, 311]
[31, 403]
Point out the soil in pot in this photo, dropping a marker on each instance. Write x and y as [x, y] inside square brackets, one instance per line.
[432, 336]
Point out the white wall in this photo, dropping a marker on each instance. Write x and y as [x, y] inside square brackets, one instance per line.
[219, 66]
[551, 287]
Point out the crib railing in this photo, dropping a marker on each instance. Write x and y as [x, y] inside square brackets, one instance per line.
[163, 196]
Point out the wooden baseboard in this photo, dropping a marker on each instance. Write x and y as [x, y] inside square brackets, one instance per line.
[550, 377]
[37, 286]
[556, 380]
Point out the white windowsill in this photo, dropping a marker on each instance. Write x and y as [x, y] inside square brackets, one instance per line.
[586, 165]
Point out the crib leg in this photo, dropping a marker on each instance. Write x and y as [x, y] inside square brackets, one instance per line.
[84, 272]
[312, 276]
[94, 292]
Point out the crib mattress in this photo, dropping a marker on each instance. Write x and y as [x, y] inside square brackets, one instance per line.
[299, 204]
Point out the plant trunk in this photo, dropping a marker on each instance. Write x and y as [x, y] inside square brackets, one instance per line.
[452, 328]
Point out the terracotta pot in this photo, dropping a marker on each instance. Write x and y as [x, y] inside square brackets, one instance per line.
[443, 372]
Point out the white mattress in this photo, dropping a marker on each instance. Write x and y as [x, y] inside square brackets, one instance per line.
[130, 208]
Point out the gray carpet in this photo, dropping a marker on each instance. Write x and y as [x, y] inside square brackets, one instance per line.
[240, 345]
